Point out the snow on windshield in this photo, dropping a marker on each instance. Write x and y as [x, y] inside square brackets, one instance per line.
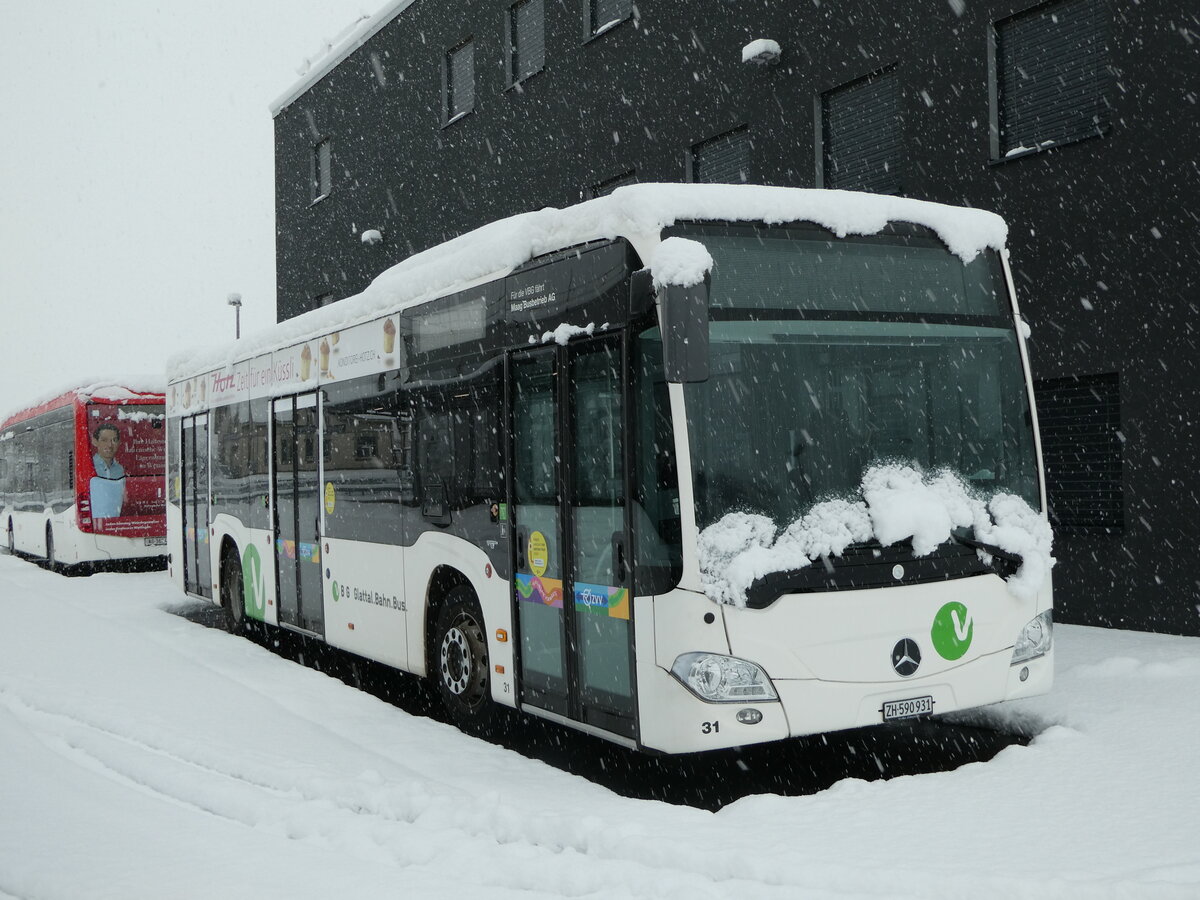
[895, 502]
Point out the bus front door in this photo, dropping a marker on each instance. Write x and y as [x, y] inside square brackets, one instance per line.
[572, 573]
[296, 511]
[197, 566]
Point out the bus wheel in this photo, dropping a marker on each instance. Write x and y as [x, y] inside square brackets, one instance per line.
[461, 662]
[232, 590]
[51, 562]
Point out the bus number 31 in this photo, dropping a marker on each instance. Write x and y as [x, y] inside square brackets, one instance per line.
[710, 727]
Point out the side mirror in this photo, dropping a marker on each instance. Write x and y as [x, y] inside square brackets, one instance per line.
[683, 315]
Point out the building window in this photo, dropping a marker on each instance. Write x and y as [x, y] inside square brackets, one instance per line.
[460, 80]
[724, 159]
[321, 173]
[1080, 423]
[861, 147]
[606, 187]
[526, 40]
[1049, 74]
[601, 15]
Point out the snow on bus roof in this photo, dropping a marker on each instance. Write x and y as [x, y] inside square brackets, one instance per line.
[120, 388]
[638, 213]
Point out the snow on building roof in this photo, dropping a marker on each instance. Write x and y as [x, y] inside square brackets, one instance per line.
[337, 49]
[638, 213]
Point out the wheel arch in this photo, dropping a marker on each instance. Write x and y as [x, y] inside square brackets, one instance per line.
[442, 580]
[228, 547]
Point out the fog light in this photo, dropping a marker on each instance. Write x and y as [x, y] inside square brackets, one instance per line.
[749, 716]
[1024, 676]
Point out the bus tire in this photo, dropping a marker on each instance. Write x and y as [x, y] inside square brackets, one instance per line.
[460, 662]
[232, 592]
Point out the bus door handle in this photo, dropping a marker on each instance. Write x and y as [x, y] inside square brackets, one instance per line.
[618, 556]
[522, 545]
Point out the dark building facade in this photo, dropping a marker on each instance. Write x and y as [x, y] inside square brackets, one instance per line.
[1077, 120]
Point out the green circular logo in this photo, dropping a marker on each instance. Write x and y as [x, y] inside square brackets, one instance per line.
[254, 584]
[953, 628]
[335, 592]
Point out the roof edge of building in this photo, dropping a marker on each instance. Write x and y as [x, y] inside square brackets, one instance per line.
[365, 29]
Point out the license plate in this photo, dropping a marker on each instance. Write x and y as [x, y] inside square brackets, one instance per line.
[906, 709]
[156, 542]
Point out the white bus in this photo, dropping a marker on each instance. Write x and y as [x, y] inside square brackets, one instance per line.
[685, 467]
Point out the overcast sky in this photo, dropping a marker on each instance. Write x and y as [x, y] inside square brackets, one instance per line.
[138, 167]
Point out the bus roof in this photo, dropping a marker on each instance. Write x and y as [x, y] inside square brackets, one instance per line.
[135, 388]
[637, 213]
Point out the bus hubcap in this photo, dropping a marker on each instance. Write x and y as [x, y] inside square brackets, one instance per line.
[456, 661]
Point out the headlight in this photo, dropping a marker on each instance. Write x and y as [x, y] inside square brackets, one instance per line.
[1035, 638]
[722, 679]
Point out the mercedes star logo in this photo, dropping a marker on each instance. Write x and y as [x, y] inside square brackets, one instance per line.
[906, 657]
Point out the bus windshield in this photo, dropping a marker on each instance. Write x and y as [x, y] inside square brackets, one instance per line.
[828, 355]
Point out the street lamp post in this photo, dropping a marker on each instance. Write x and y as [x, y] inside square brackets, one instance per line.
[235, 300]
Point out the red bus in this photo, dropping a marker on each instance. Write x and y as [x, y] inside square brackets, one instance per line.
[81, 477]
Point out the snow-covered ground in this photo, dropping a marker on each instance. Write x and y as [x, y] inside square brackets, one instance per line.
[145, 756]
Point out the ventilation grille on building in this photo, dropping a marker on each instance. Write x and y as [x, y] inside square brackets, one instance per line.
[861, 131]
[1052, 65]
[1080, 420]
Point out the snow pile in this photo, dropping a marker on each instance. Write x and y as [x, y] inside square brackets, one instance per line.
[637, 212]
[681, 262]
[564, 332]
[895, 503]
[764, 50]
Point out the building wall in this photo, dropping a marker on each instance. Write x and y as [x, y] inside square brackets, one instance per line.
[1103, 232]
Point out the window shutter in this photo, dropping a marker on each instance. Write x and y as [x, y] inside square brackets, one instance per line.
[862, 143]
[1053, 64]
[1080, 421]
[529, 38]
[605, 12]
[604, 188]
[461, 80]
[723, 160]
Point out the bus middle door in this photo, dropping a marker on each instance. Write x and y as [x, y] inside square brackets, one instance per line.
[572, 574]
[295, 501]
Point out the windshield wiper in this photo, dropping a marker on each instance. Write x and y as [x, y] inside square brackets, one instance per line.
[966, 536]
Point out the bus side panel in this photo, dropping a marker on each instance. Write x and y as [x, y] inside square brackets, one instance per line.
[433, 549]
[366, 611]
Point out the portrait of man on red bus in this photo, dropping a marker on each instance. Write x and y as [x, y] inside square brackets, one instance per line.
[124, 484]
[108, 484]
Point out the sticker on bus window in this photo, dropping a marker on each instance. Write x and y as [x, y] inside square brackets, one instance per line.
[542, 591]
[603, 600]
[538, 554]
[330, 498]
